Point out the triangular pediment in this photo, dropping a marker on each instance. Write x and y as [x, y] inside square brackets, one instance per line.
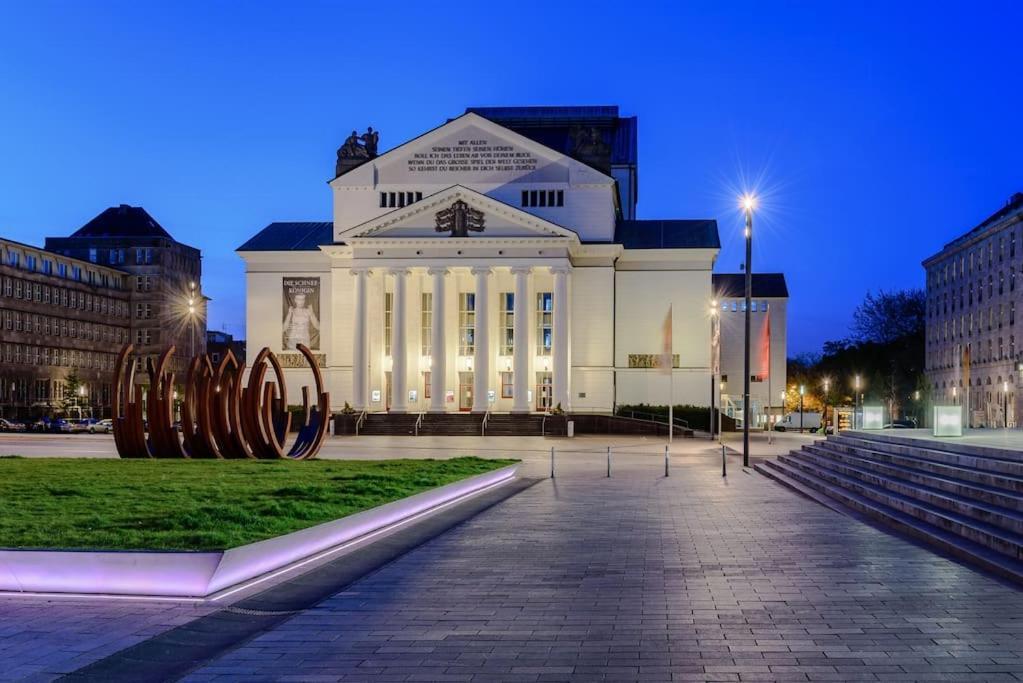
[474, 148]
[457, 212]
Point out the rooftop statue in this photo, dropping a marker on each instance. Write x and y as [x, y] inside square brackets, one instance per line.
[356, 149]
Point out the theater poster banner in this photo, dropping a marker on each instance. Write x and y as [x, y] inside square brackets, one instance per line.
[301, 311]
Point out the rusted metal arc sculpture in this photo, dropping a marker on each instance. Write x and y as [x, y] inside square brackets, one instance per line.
[221, 416]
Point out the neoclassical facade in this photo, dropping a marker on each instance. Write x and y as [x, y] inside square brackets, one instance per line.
[491, 264]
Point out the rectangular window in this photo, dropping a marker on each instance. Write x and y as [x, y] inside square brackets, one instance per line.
[507, 323]
[466, 323]
[426, 324]
[543, 198]
[427, 376]
[544, 323]
[506, 385]
[388, 315]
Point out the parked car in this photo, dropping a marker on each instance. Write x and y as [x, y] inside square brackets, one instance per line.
[37, 425]
[791, 422]
[8, 426]
[82, 426]
[59, 426]
[905, 423]
[101, 427]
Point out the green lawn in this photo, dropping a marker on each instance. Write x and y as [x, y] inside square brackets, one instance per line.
[198, 504]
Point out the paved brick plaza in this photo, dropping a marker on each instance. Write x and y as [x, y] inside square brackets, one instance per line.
[633, 578]
[641, 577]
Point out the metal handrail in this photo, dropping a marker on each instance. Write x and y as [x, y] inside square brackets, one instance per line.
[654, 417]
[483, 427]
[419, 421]
[358, 423]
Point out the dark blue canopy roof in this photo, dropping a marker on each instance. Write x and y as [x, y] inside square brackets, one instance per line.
[305, 236]
[668, 234]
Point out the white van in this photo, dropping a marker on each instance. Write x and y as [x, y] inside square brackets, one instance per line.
[790, 423]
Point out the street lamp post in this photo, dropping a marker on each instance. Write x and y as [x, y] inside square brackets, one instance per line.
[824, 417]
[748, 203]
[191, 315]
[856, 403]
[801, 390]
[1005, 404]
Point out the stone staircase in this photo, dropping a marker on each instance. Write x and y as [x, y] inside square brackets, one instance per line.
[388, 424]
[451, 424]
[506, 424]
[965, 500]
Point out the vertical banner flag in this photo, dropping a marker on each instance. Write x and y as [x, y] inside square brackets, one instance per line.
[667, 357]
[715, 345]
[765, 350]
[667, 368]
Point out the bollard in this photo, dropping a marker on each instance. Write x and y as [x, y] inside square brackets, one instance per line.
[552, 462]
[724, 471]
[665, 460]
[608, 462]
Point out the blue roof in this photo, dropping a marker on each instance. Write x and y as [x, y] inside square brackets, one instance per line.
[733, 285]
[305, 236]
[668, 234]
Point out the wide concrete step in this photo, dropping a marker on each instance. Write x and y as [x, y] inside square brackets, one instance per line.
[943, 482]
[843, 500]
[990, 536]
[451, 424]
[388, 424]
[981, 459]
[1006, 518]
[947, 467]
[514, 425]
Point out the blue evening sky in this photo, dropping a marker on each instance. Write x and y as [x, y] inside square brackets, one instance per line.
[876, 131]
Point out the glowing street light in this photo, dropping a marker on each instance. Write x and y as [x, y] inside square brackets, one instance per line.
[856, 399]
[1005, 404]
[748, 203]
[802, 390]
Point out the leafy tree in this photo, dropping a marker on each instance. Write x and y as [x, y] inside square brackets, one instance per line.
[72, 383]
[886, 351]
[888, 316]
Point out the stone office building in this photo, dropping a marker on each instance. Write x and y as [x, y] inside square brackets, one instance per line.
[167, 304]
[974, 290]
[493, 263]
[59, 317]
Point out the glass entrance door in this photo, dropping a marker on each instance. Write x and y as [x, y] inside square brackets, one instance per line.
[387, 391]
[465, 391]
[544, 391]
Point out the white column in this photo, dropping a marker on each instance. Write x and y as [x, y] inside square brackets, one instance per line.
[560, 378]
[399, 344]
[438, 346]
[481, 355]
[521, 316]
[359, 340]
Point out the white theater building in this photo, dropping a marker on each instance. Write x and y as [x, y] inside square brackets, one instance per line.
[492, 264]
